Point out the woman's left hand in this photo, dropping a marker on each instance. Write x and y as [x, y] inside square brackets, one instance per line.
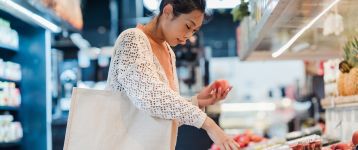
[213, 93]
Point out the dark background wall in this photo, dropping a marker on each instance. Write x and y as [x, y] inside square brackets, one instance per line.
[219, 33]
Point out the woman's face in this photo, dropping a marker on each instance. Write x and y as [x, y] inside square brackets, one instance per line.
[177, 30]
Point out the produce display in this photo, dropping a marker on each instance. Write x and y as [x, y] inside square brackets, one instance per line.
[244, 140]
[250, 141]
[348, 79]
[304, 132]
[355, 138]
[351, 145]
[271, 144]
[312, 142]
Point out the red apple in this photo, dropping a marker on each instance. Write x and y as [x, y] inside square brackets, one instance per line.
[244, 140]
[242, 144]
[340, 146]
[256, 138]
[223, 84]
[248, 132]
[237, 137]
[355, 138]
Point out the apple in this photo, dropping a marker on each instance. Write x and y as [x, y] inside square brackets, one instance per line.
[248, 132]
[242, 145]
[340, 146]
[256, 138]
[237, 137]
[244, 140]
[223, 84]
[355, 138]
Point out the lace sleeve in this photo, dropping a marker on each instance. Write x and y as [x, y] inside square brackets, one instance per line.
[133, 70]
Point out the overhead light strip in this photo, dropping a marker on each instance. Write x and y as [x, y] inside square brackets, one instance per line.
[34, 17]
[298, 34]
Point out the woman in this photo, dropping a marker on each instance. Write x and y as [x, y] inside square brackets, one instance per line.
[143, 66]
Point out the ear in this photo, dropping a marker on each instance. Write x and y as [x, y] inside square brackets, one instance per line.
[168, 11]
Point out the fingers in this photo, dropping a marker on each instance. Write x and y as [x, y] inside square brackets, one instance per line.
[213, 85]
[237, 145]
[234, 145]
[222, 94]
[218, 94]
[214, 94]
[213, 91]
[227, 146]
[222, 147]
[226, 92]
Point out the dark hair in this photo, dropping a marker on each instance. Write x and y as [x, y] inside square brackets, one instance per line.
[183, 6]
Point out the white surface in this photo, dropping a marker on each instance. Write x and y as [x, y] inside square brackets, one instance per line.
[255, 78]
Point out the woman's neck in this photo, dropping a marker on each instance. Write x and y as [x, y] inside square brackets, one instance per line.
[153, 30]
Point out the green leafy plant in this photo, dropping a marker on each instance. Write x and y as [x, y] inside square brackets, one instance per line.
[240, 11]
[350, 56]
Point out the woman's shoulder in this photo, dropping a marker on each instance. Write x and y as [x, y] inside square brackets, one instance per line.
[132, 35]
[132, 32]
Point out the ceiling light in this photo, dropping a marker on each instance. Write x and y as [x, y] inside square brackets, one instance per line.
[18, 10]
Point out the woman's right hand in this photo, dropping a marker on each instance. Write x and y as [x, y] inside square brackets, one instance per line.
[218, 136]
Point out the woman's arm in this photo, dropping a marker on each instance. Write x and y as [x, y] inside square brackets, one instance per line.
[135, 70]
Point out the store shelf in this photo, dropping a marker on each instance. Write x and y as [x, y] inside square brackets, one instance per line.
[341, 116]
[343, 101]
[256, 34]
[305, 55]
[9, 108]
[8, 48]
[7, 80]
[281, 23]
[10, 144]
[34, 45]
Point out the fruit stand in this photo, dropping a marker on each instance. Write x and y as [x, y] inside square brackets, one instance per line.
[341, 116]
[304, 33]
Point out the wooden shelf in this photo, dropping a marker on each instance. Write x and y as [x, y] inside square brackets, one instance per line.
[343, 101]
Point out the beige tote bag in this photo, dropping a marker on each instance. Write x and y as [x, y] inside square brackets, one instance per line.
[105, 120]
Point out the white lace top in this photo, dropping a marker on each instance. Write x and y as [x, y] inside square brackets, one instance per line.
[135, 70]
